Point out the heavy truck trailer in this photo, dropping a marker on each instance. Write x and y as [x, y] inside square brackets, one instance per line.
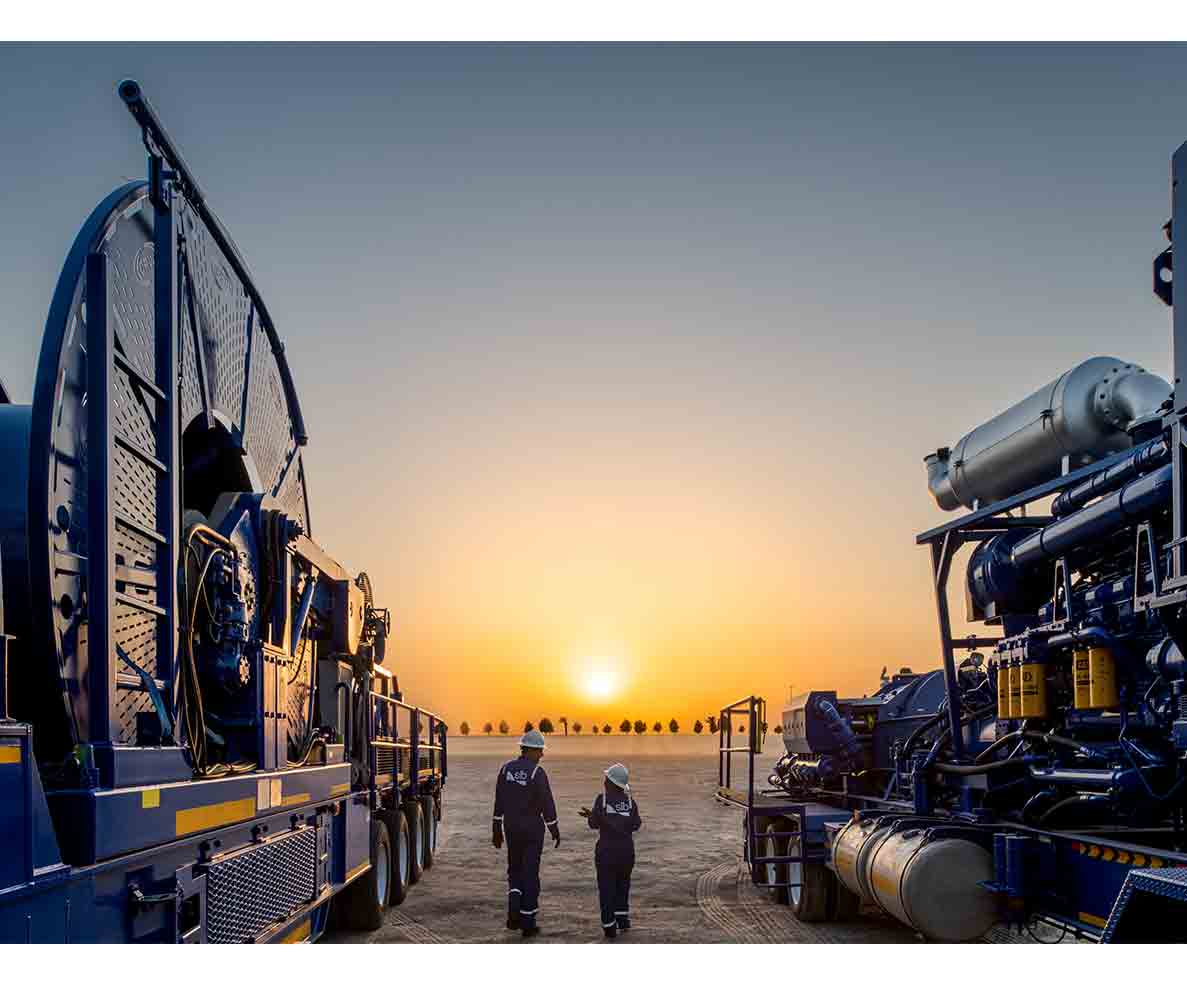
[1041, 778]
[199, 741]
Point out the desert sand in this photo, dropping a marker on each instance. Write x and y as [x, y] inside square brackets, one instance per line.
[689, 884]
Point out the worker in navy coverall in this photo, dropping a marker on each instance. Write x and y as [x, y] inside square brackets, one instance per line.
[615, 816]
[524, 808]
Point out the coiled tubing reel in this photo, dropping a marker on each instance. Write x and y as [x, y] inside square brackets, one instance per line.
[120, 457]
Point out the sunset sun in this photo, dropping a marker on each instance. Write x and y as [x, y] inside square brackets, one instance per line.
[600, 684]
[598, 669]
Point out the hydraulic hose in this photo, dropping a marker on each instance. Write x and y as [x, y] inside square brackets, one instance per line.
[918, 733]
[1036, 736]
[981, 769]
[1083, 799]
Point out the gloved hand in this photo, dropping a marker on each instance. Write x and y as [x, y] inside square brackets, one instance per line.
[585, 812]
[496, 837]
[556, 838]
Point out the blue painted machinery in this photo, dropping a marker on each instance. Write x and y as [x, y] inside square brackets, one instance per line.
[1039, 779]
[198, 739]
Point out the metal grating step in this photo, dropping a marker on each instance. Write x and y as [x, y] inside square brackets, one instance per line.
[249, 892]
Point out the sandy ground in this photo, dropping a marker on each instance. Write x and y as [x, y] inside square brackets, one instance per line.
[689, 883]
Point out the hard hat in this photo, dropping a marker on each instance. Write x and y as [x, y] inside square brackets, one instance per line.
[617, 774]
[532, 739]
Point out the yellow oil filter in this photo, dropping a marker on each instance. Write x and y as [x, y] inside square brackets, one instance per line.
[1081, 678]
[1015, 677]
[1033, 688]
[1003, 690]
[1102, 679]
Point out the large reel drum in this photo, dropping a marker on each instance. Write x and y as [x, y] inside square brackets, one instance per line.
[238, 429]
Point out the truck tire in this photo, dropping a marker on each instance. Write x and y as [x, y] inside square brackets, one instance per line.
[397, 825]
[813, 900]
[761, 824]
[416, 840]
[364, 901]
[428, 812]
[773, 847]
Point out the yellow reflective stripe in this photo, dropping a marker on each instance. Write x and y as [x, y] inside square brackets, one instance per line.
[1088, 917]
[298, 934]
[294, 799]
[215, 815]
[10, 754]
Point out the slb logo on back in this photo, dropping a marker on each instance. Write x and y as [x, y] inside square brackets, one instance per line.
[520, 776]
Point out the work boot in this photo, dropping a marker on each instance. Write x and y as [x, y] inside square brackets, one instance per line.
[530, 931]
[513, 920]
[610, 931]
[624, 923]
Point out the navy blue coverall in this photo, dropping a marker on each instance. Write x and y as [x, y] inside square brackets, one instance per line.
[615, 815]
[523, 808]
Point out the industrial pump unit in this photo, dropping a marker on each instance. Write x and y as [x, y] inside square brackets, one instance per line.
[198, 741]
[1042, 778]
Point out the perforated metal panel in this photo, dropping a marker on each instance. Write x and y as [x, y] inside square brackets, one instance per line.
[237, 381]
[243, 379]
[250, 892]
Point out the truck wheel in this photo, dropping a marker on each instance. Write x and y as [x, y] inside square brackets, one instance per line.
[774, 873]
[428, 812]
[416, 840]
[760, 828]
[846, 904]
[364, 902]
[401, 855]
[812, 899]
[757, 851]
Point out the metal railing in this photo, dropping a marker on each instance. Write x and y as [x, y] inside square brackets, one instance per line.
[753, 710]
[418, 744]
[788, 845]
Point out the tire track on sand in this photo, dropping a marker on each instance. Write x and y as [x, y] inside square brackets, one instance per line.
[710, 903]
[415, 932]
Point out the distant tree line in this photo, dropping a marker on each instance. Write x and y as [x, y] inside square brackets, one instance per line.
[638, 726]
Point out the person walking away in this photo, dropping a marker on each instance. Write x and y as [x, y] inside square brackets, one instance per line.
[524, 808]
[615, 816]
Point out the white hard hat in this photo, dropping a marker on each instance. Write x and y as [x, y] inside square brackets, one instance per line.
[532, 739]
[617, 774]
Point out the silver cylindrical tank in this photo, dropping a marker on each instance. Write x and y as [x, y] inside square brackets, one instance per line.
[852, 850]
[934, 885]
[1082, 415]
